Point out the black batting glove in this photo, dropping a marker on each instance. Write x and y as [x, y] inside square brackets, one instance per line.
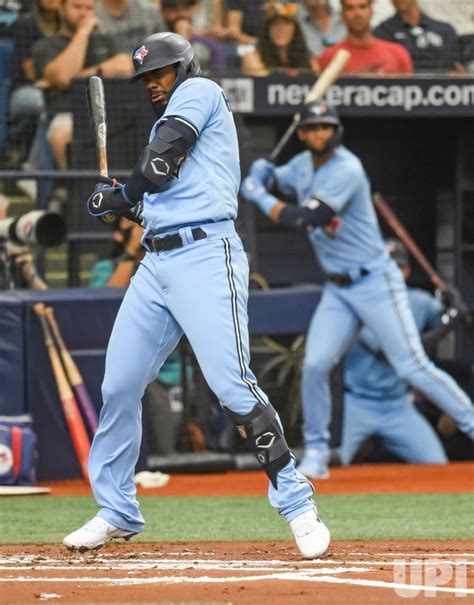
[108, 200]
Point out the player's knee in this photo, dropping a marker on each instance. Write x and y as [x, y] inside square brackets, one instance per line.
[318, 367]
[120, 388]
[264, 437]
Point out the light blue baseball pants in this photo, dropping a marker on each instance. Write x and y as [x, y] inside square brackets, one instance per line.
[403, 430]
[380, 302]
[200, 289]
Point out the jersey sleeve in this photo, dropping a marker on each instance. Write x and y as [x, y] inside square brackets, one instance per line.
[339, 184]
[194, 101]
[285, 178]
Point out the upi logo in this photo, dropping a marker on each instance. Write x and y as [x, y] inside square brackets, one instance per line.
[429, 577]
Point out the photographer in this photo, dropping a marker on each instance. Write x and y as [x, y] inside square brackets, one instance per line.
[17, 269]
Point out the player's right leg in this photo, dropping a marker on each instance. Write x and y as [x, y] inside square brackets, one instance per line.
[210, 303]
[331, 331]
[385, 308]
[143, 336]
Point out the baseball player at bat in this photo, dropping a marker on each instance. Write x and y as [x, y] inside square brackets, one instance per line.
[364, 285]
[193, 280]
[376, 400]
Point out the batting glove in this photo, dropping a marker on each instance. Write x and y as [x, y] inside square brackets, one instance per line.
[254, 192]
[262, 170]
[108, 198]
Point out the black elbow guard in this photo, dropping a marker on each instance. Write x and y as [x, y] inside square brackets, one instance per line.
[315, 213]
[161, 158]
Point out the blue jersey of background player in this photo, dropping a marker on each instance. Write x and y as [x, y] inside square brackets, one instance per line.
[364, 285]
[377, 401]
[193, 280]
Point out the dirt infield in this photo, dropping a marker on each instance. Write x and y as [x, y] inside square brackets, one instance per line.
[361, 479]
[254, 573]
[359, 573]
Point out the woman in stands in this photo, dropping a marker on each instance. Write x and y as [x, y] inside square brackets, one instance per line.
[281, 45]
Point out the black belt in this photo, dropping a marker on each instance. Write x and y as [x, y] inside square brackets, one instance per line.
[343, 279]
[171, 242]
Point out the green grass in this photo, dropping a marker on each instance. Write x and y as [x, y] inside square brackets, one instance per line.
[357, 517]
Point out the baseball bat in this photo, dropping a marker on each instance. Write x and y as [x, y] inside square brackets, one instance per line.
[400, 231]
[98, 117]
[326, 79]
[74, 376]
[74, 421]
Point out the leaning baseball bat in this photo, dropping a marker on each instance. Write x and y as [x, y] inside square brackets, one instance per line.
[98, 117]
[326, 79]
[74, 376]
[76, 427]
[399, 229]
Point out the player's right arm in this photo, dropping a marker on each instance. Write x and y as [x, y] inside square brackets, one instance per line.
[318, 210]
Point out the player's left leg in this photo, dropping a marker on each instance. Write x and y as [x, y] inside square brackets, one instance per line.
[331, 330]
[207, 294]
[381, 300]
[408, 434]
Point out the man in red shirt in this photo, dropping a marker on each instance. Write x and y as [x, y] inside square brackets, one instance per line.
[368, 54]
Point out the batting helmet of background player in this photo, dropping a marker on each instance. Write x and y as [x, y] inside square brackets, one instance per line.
[161, 50]
[319, 112]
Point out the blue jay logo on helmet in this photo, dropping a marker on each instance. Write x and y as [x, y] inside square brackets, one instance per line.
[140, 54]
[319, 110]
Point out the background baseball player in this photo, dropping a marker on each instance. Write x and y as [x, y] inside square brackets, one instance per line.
[193, 279]
[376, 400]
[363, 283]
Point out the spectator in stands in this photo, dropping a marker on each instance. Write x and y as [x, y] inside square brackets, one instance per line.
[208, 50]
[10, 11]
[433, 45]
[368, 54]
[17, 268]
[76, 51]
[320, 25]
[245, 19]
[208, 19]
[172, 10]
[27, 100]
[281, 45]
[128, 21]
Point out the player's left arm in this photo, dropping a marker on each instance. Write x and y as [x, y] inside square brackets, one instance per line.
[317, 211]
[174, 137]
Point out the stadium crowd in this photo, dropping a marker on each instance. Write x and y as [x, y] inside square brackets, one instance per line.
[47, 43]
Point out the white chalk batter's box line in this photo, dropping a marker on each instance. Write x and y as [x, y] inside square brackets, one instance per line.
[323, 571]
[198, 564]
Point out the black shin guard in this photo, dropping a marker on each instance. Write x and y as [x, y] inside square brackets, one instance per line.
[264, 438]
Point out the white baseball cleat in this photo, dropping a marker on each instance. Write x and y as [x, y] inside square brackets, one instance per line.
[311, 535]
[94, 534]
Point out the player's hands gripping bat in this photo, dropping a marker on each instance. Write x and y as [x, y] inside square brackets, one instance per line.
[76, 427]
[108, 198]
[74, 376]
[326, 79]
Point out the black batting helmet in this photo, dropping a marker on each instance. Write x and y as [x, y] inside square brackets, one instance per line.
[161, 50]
[397, 251]
[320, 112]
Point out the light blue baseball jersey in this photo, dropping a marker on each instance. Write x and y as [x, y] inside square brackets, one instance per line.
[369, 375]
[353, 240]
[205, 188]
